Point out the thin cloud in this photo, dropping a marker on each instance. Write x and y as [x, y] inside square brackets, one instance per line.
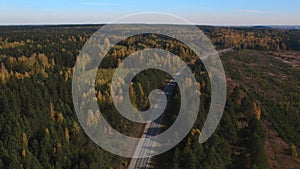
[99, 4]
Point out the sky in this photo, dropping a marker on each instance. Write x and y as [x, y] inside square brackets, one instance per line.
[202, 12]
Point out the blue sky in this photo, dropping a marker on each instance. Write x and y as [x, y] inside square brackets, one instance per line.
[211, 12]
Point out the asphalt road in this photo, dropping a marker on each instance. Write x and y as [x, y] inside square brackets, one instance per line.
[152, 129]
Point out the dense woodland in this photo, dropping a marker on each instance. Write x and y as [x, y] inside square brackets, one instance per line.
[39, 128]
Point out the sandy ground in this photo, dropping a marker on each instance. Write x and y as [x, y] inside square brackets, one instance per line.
[278, 151]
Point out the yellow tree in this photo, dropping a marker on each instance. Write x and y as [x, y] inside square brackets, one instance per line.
[24, 140]
[257, 111]
[52, 112]
[75, 127]
[60, 118]
[294, 150]
[67, 135]
[23, 152]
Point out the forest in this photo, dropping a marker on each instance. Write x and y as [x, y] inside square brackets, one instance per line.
[39, 127]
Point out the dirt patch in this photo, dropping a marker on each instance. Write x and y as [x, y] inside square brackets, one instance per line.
[277, 150]
[290, 57]
[268, 75]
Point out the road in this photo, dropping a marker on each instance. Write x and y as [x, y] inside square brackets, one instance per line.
[151, 129]
[220, 52]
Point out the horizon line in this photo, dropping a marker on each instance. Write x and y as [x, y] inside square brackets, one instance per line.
[70, 24]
